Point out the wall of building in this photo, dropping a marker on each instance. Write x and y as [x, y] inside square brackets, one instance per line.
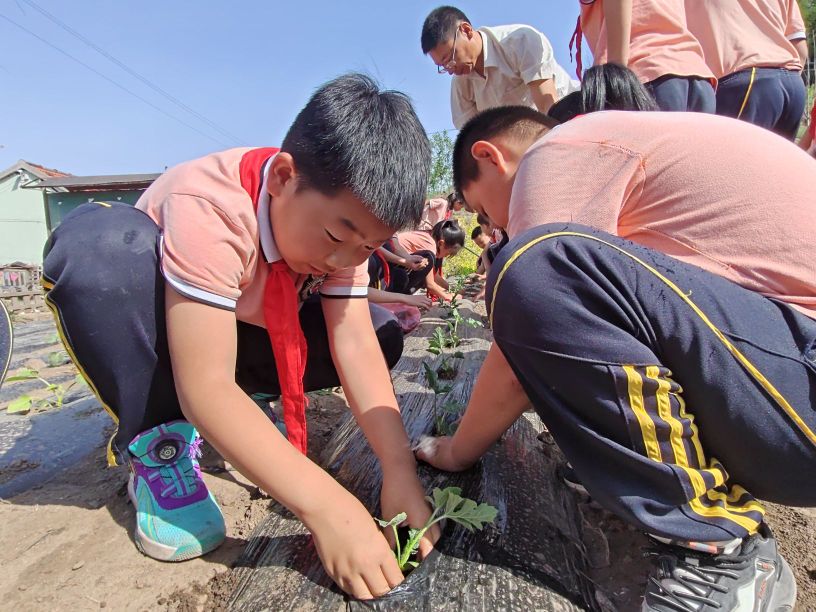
[22, 220]
[60, 204]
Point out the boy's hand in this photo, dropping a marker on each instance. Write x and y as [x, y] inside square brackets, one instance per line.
[437, 452]
[415, 262]
[404, 493]
[423, 302]
[353, 550]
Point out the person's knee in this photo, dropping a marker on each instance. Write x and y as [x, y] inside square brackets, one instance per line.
[389, 334]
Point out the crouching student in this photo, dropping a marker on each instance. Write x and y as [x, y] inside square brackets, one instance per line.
[445, 239]
[177, 309]
[481, 240]
[657, 305]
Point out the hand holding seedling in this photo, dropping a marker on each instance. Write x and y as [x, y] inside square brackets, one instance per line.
[448, 504]
[406, 496]
[353, 551]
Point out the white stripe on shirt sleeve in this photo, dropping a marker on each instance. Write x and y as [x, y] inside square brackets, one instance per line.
[344, 292]
[198, 294]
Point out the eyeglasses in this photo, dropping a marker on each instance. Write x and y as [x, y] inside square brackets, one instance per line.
[449, 67]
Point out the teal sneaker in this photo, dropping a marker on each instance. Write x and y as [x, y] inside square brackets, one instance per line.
[176, 516]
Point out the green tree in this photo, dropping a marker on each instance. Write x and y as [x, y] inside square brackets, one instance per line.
[441, 179]
[809, 14]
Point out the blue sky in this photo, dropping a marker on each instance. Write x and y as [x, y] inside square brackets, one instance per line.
[246, 66]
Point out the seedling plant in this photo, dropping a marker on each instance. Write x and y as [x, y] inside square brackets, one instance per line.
[25, 402]
[446, 413]
[447, 503]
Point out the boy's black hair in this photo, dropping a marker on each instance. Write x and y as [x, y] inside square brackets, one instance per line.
[450, 232]
[350, 135]
[440, 25]
[604, 87]
[477, 231]
[517, 121]
[482, 220]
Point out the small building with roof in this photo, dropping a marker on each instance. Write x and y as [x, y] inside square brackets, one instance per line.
[23, 225]
[63, 194]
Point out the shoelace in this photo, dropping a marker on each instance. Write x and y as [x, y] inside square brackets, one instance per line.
[181, 478]
[698, 581]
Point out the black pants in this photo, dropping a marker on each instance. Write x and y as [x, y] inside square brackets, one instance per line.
[402, 280]
[772, 98]
[679, 93]
[673, 392]
[102, 272]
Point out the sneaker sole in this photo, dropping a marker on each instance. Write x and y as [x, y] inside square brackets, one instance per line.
[783, 598]
[157, 550]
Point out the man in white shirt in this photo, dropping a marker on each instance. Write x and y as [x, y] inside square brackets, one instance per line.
[493, 66]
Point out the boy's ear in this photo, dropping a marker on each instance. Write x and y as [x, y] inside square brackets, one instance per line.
[484, 151]
[281, 172]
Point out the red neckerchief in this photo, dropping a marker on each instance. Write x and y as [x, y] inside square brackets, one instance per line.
[577, 39]
[280, 307]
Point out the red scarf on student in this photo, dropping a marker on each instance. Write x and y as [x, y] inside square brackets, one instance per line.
[280, 306]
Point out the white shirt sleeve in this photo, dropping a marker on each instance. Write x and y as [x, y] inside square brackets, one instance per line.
[531, 54]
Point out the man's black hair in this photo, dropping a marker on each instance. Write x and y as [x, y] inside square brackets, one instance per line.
[482, 220]
[350, 135]
[604, 87]
[450, 232]
[440, 25]
[477, 231]
[516, 121]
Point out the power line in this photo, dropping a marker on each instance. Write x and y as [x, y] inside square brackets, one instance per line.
[133, 73]
[110, 80]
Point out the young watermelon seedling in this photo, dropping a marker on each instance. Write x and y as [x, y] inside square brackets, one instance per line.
[447, 503]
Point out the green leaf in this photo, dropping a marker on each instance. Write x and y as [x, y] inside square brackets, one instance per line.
[430, 376]
[474, 322]
[431, 349]
[80, 380]
[458, 355]
[413, 564]
[57, 358]
[24, 374]
[394, 522]
[21, 405]
[466, 512]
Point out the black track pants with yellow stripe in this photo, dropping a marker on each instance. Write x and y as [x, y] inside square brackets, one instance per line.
[677, 395]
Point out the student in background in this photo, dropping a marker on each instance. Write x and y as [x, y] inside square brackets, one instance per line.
[446, 238]
[808, 140]
[756, 49]
[482, 241]
[604, 87]
[493, 66]
[670, 352]
[651, 38]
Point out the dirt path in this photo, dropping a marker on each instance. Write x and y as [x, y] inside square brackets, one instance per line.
[66, 543]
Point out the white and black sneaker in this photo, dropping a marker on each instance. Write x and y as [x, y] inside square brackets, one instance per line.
[754, 577]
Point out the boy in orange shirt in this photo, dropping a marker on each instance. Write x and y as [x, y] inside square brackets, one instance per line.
[656, 304]
[177, 309]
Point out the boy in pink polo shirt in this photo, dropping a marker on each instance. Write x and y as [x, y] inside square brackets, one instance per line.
[179, 309]
[651, 38]
[756, 49]
[657, 305]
